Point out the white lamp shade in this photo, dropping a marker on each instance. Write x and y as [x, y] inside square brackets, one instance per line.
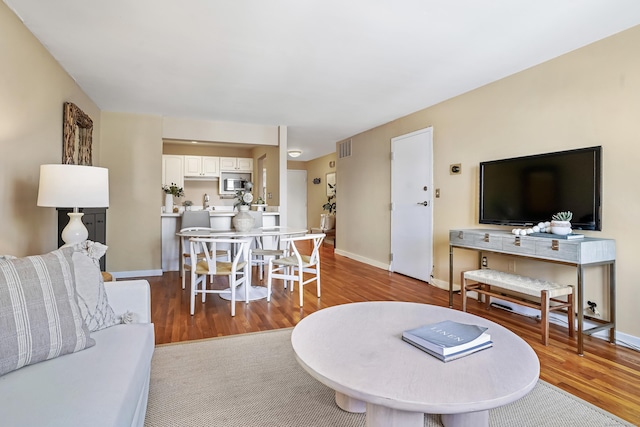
[73, 186]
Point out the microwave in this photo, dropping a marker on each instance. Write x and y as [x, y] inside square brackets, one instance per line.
[234, 184]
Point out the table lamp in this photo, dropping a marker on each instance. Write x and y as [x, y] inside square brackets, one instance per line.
[73, 186]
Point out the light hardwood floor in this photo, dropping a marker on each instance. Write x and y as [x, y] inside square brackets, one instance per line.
[607, 375]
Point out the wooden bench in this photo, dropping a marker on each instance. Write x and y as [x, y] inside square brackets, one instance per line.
[485, 281]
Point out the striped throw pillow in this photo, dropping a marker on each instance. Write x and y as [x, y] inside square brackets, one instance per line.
[39, 314]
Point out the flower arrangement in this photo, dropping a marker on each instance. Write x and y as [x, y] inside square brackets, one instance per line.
[331, 200]
[243, 198]
[173, 189]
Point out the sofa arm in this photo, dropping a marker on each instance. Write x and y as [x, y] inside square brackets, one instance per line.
[130, 295]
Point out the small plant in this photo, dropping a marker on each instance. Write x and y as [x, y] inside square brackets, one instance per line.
[562, 216]
[173, 189]
[260, 201]
[187, 203]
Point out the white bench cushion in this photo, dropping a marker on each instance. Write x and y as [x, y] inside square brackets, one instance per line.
[99, 386]
[517, 283]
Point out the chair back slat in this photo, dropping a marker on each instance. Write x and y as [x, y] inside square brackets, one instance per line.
[315, 250]
[196, 219]
[185, 239]
[207, 247]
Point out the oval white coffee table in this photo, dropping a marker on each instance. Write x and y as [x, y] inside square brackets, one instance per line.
[357, 350]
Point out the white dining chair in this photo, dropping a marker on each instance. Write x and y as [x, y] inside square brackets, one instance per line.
[292, 266]
[259, 252]
[185, 262]
[237, 270]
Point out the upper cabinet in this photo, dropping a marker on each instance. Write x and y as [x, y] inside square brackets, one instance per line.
[236, 164]
[201, 167]
[172, 170]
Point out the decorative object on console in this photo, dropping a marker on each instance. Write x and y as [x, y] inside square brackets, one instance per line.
[561, 223]
[76, 150]
[73, 186]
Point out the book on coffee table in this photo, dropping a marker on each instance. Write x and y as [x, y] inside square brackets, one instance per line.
[449, 340]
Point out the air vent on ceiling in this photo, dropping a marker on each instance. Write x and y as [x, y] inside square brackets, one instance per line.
[344, 149]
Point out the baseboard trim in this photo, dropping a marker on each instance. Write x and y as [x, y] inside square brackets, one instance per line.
[137, 273]
[362, 259]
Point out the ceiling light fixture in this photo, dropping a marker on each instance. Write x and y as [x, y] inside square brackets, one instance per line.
[294, 153]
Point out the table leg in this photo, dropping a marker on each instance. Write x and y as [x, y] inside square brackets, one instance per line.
[580, 308]
[469, 419]
[381, 416]
[450, 276]
[349, 404]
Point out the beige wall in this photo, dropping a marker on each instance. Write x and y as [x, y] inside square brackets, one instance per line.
[316, 193]
[272, 163]
[33, 88]
[206, 150]
[585, 98]
[132, 150]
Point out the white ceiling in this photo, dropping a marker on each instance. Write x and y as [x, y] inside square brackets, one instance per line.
[327, 69]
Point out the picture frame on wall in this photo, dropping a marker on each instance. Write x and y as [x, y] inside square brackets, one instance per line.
[77, 136]
[331, 182]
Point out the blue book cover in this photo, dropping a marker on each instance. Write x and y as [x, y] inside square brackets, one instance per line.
[447, 337]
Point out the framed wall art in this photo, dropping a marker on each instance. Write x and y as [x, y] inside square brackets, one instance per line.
[77, 136]
[331, 183]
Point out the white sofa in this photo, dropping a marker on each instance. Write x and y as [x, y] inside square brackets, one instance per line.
[104, 385]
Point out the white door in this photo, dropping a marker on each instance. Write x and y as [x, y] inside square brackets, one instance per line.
[411, 201]
[296, 198]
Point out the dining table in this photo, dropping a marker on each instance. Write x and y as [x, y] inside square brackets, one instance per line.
[275, 233]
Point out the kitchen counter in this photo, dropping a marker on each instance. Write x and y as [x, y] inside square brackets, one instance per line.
[216, 213]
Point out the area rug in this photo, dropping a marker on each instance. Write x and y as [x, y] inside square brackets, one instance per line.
[254, 380]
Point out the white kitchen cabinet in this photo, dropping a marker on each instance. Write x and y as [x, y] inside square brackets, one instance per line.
[201, 166]
[243, 164]
[172, 170]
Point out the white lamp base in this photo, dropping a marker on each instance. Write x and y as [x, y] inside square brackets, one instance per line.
[75, 231]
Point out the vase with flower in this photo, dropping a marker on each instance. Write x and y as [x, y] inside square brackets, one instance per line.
[171, 191]
[243, 221]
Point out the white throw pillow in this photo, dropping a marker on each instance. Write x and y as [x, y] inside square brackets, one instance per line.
[92, 297]
[39, 315]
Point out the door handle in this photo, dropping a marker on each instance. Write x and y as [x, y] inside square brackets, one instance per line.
[425, 203]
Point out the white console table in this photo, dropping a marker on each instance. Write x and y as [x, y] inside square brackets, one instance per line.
[581, 253]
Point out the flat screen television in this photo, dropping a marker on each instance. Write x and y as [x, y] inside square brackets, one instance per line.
[527, 190]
